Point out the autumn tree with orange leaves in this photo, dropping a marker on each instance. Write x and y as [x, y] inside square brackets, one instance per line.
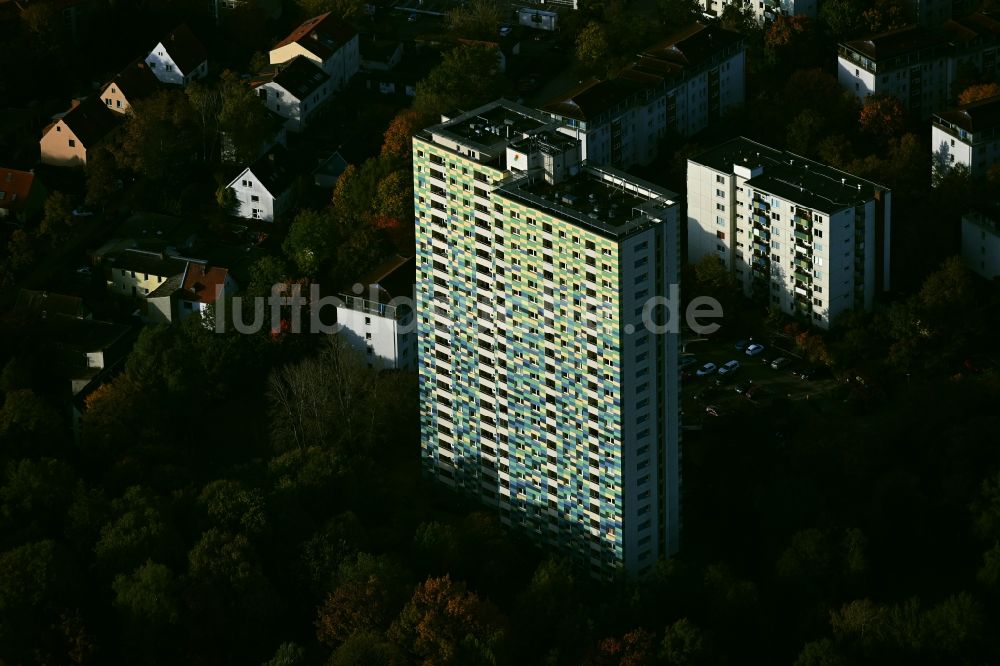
[979, 92]
[882, 115]
[445, 624]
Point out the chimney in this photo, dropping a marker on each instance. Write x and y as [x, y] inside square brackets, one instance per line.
[73, 103]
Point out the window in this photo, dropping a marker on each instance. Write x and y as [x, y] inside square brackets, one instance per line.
[719, 179]
[721, 235]
[721, 207]
[118, 103]
[107, 100]
[72, 143]
[719, 220]
[255, 213]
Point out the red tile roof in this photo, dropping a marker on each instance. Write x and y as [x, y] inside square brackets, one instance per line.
[15, 186]
[201, 280]
[321, 35]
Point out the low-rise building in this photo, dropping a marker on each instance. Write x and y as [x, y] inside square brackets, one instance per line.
[21, 195]
[798, 235]
[294, 90]
[138, 273]
[180, 58]
[329, 43]
[378, 322]
[968, 135]
[128, 86]
[981, 243]
[69, 138]
[199, 286]
[264, 189]
[679, 86]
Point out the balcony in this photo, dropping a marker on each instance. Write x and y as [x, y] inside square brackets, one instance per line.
[801, 290]
[803, 236]
[760, 274]
[763, 235]
[374, 307]
[804, 276]
[803, 222]
[760, 205]
[803, 263]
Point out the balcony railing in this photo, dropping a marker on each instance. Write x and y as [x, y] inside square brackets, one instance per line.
[374, 307]
[803, 236]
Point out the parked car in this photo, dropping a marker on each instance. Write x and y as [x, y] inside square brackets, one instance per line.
[712, 410]
[688, 361]
[83, 270]
[754, 349]
[82, 211]
[729, 367]
[706, 369]
[742, 388]
[505, 30]
[779, 363]
[741, 345]
[411, 18]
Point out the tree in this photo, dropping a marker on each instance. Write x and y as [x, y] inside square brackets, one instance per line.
[785, 31]
[225, 196]
[739, 17]
[683, 644]
[102, 177]
[20, 250]
[468, 76]
[29, 425]
[635, 648]
[368, 649]
[32, 576]
[592, 47]
[882, 115]
[137, 531]
[842, 17]
[244, 121]
[477, 19]
[287, 654]
[232, 506]
[310, 241]
[149, 594]
[37, 493]
[823, 652]
[445, 624]
[342, 9]
[57, 220]
[370, 594]
[676, 14]
[206, 103]
[978, 92]
[884, 15]
[398, 138]
[160, 137]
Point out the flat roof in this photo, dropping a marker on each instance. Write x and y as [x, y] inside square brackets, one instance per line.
[545, 141]
[793, 177]
[607, 201]
[498, 121]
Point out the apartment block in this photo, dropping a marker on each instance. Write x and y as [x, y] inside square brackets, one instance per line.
[542, 393]
[799, 235]
[919, 65]
[376, 316]
[981, 243]
[969, 135]
[680, 86]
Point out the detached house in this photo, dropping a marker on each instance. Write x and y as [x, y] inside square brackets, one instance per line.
[330, 44]
[264, 189]
[190, 292]
[139, 273]
[66, 141]
[180, 58]
[21, 195]
[128, 86]
[294, 91]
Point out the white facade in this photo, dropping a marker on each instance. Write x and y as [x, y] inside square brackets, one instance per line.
[167, 71]
[981, 244]
[796, 234]
[287, 105]
[763, 10]
[254, 201]
[629, 131]
[384, 334]
[968, 135]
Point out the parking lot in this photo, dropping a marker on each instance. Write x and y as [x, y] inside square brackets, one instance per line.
[754, 385]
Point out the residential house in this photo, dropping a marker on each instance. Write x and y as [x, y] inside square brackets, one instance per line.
[680, 86]
[294, 90]
[329, 43]
[969, 135]
[180, 58]
[32, 305]
[128, 86]
[378, 322]
[264, 189]
[379, 55]
[138, 273]
[192, 291]
[797, 234]
[68, 139]
[21, 195]
[329, 170]
[981, 242]
[918, 65]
